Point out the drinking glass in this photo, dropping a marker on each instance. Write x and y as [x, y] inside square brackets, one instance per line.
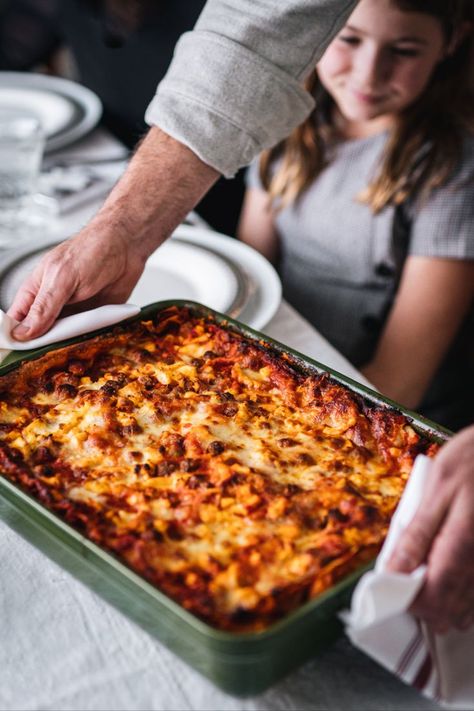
[21, 149]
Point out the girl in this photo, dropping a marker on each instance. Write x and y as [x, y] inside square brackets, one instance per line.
[368, 207]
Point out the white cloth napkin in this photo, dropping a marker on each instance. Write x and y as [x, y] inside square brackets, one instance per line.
[440, 666]
[64, 328]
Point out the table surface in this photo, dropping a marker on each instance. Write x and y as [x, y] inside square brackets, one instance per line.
[63, 647]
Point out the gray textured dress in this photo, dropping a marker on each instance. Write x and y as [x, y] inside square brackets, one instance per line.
[340, 263]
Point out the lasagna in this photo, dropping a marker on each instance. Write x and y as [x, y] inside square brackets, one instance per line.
[224, 472]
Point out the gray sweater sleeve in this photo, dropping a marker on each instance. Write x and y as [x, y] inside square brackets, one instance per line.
[234, 86]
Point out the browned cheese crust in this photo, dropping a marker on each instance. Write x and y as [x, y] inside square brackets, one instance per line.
[211, 465]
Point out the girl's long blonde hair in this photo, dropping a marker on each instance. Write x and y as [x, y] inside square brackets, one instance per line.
[424, 145]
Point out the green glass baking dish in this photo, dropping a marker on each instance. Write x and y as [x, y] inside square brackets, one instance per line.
[242, 664]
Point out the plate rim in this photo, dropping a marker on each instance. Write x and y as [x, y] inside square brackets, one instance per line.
[79, 95]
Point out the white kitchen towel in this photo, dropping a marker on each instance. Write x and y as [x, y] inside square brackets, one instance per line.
[378, 623]
[64, 328]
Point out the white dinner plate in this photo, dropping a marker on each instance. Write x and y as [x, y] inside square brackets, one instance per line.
[195, 263]
[263, 286]
[67, 110]
[183, 270]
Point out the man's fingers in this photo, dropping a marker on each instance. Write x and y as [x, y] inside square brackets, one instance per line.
[44, 310]
[447, 597]
[23, 300]
[415, 542]
[442, 534]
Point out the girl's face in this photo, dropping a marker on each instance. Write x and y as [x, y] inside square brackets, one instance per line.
[379, 64]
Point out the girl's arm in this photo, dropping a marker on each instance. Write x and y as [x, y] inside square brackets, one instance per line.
[256, 226]
[433, 299]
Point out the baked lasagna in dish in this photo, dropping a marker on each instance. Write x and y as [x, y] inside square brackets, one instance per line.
[224, 472]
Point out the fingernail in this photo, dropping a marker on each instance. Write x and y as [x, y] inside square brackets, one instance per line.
[402, 562]
[21, 330]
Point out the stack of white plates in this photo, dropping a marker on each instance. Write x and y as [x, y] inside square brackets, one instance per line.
[67, 110]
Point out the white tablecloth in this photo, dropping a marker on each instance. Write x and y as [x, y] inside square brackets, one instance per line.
[63, 647]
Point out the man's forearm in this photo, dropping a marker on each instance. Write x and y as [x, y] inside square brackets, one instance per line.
[163, 182]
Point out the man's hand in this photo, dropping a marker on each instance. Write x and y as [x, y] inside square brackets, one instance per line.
[88, 270]
[442, 535]
[102, 264]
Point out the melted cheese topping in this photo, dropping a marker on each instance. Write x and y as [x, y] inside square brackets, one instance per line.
[207, 462]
